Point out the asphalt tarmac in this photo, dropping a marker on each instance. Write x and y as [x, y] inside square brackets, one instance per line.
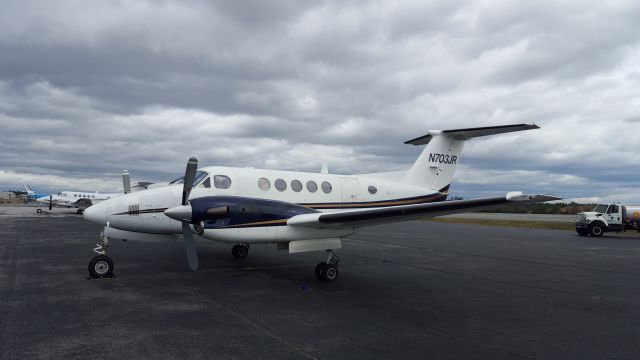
[417, 290]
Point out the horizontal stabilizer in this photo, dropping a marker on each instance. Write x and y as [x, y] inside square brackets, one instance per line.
[470, 133]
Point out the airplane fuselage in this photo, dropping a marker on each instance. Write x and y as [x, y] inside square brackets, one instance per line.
[258, 203]
[75, 199]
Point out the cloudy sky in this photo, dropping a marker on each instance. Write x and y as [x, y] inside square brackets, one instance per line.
[90, 88]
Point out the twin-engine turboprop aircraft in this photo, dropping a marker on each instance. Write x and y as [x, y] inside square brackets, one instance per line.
[297, 211]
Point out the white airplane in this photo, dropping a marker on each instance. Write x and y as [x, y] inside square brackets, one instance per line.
[82, 200]
[74, 199]
[298, 211]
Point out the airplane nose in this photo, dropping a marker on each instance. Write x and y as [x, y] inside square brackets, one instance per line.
[96, 213]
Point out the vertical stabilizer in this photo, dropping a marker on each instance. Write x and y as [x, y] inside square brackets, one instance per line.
[438, 161]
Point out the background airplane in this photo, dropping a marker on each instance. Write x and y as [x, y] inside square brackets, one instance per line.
[74, 199]
[297, 211]
[32, 195]
[82, 200]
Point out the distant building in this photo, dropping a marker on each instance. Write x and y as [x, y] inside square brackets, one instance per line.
[7, 195]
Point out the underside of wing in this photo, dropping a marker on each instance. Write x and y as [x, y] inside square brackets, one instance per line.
[368, 217]
[83, 202]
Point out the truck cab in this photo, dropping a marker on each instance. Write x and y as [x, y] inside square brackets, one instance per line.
[606, 218]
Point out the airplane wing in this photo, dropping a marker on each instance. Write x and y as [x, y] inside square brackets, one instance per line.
[377, 216]
[82, 202]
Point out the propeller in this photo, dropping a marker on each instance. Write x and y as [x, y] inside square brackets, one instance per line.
[189, 243]
[50, 202]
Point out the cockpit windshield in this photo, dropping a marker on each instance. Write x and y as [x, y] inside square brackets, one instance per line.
[199, 176]
[600, 208]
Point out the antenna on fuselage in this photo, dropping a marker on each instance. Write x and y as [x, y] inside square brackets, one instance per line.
[325, 167]
[126, 181]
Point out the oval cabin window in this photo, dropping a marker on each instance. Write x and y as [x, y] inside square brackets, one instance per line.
[221, 181]
[372, 189]
[326, 187]
[280, 185]
[264, 184]
[312, 186]
[296, 185]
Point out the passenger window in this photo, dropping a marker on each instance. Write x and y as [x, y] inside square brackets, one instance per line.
[280, 185]
[74, 195]
[207, 183]
[312, 186]
[609, 209]
[614, 209]
[372, 189]
[326, 187]
[264, 184]
[221, 181]
[296, 185]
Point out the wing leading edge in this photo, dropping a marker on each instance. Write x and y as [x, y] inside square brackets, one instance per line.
[368, 217]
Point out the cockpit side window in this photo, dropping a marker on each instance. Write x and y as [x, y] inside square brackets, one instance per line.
[207, 183]
[221, 181]
[199, 176]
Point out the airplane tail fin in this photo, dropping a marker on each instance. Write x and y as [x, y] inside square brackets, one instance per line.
[28, 189]
[437, 162]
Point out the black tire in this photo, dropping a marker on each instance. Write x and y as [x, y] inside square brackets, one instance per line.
[39, 211]
[240, 251]
[100, 266]
[596, 229]
[320, 271]
[330, 272]
[582, 232]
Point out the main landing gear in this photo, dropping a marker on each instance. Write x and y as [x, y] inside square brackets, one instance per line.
[328, 270]
[101, 266]
[240, 251]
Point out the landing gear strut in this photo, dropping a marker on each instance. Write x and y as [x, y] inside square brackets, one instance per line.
[101, 266]
[240, 251]
[80, 211]
[328, 270]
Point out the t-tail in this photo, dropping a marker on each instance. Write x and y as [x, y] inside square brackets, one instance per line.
[436, 164]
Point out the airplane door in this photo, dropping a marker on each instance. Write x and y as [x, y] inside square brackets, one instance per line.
[350, 189]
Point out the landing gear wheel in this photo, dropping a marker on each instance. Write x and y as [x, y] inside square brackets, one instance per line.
[240, 251]
[100, 266]
[39, 211]
[327, 272]
[595, 230]
[330, 272]
[79, 211]
[320, 268]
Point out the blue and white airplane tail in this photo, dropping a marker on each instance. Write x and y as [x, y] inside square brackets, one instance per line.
[436, 164]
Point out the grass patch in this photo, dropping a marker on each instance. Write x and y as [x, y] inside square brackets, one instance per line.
[553, 225]
[549, 225]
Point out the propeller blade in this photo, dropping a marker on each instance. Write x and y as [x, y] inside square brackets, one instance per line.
[189, 176]
[50, 201]
[126, 181]
[190, 246]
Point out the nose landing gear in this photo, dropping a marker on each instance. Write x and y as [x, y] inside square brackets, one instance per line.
[101, 266]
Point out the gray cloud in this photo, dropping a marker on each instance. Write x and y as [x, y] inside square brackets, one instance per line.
[87, 90]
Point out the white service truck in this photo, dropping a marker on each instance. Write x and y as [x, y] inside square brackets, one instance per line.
[608, 218]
